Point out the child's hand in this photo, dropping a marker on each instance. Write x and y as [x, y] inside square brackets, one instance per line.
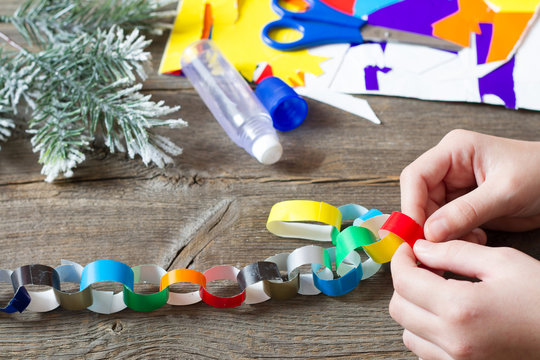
[496, 318]
[470, 179]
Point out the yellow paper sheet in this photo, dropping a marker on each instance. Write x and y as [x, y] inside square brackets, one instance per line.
[239, 39]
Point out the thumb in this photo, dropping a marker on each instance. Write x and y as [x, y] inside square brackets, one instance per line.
[463, 214]
[459, 257]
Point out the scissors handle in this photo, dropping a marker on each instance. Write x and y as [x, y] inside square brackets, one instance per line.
[320, 12]
[313, 34]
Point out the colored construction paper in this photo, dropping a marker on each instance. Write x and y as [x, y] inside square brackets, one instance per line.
[238, 39]
[416, 16]
[508, 25]
[345, 6]
[366, 7]
[341, 101]
[525, 73]
[370, 74]
[500, 84]
[433, 74]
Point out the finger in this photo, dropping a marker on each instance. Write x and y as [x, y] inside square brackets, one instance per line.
[459, 257]
[423, 348]
[463, 214]
[476, 236]
[414, 318]
[419, 286]
[419, 178]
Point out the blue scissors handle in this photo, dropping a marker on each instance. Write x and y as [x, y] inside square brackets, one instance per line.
[313, 34]
[319, 12]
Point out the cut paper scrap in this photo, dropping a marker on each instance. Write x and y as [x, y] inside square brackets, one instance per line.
[509, 23]
[239, 39]
[525, 72]
[341, 101]
[433, 74]
[366, 7]
[416, 16]
[359, 7]
[192, 23]
[455, 20]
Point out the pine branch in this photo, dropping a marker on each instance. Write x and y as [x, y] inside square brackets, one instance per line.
[60, 140]
[83, 83]
[94, 96]
[43, 21]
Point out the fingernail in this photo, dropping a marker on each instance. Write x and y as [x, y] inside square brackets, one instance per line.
[422, 246]
[437, 229]
[480, 236]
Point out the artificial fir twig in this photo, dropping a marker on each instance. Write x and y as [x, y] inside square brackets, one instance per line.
[82, 83]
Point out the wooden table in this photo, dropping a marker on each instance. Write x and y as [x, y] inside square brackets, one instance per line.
[210, 208]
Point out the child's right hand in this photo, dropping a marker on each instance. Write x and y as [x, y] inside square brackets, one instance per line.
[470, 179]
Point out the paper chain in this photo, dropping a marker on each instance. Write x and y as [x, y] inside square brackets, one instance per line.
[378, 235]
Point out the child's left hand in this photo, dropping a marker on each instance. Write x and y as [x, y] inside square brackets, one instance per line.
[496, 318]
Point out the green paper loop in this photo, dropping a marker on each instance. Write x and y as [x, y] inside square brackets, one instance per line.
[146, 302]
[351, 239]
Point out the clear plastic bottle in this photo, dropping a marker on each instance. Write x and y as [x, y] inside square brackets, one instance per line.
[231, 101]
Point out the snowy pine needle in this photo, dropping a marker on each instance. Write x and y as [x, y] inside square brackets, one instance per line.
[83, 83]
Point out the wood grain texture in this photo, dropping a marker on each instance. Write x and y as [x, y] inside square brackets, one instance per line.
[210, 208]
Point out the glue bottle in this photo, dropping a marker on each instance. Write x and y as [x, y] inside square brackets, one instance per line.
[231, 101]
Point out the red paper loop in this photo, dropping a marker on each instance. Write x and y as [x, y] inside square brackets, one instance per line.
[404, 227]
[221, 272]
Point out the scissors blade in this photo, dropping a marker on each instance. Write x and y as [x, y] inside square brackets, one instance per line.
[382, 34]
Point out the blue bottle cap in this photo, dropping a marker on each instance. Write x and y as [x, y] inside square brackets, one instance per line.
[287, 109]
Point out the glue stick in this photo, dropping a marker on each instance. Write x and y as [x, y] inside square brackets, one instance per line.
[231, 101]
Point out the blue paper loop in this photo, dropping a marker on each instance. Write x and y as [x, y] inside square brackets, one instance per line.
[107, 270]
[341, 285]
[20, 300]
[352, 211]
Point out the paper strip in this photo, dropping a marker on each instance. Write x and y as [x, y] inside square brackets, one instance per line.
[341, 285]
[150, 274]
[183, 275]
[350, 239]
[36, 274]
[107, 302]
[404, 227]
[221, 272]
[309, 255]
[351, 211]
[279, 289]
[286, 219]
[71, 272]
[251, 279]
[341, 101]
[20, 300]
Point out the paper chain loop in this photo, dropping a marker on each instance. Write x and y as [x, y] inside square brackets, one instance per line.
[376, 234]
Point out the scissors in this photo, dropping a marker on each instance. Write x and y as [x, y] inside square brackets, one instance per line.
[320, 24]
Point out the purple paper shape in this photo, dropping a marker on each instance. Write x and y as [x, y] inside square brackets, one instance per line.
[370, 75]
[415, 16]
[500, 82]
[483, 42]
